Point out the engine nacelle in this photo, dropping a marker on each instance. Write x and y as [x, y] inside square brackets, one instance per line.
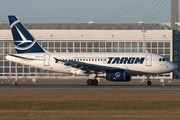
[128, 78]
[117, 75]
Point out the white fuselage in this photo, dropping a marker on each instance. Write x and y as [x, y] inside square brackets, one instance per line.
[150, 65]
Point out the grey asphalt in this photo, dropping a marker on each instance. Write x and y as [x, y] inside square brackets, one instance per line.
[80, 84]
[85, 87]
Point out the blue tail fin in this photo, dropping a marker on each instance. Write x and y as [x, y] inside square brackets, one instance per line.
[23, 40]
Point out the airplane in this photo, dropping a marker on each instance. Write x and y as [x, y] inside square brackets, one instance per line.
[116, 67]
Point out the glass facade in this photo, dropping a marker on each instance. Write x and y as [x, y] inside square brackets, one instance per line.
[176, 53]
[8, 69]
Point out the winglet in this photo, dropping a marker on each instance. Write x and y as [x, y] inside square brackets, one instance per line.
[57, 60]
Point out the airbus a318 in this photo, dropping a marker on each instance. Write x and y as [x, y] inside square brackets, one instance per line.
[117, 67]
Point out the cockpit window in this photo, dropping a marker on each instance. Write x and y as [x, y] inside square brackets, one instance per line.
[163, 59]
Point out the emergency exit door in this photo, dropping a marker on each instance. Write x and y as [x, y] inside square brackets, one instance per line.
[104, 60]
[46, 60]
[148, 60]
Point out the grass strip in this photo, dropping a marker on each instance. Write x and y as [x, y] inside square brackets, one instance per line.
[69, 95]
[89, 105]
[89, 115]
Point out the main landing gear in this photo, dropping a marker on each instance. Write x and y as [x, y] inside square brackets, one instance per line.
[92, 82]
[148, 80]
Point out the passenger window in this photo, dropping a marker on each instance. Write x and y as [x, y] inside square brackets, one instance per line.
[89, 59]
[92, 59]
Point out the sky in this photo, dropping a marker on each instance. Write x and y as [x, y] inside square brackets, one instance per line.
[84, 10]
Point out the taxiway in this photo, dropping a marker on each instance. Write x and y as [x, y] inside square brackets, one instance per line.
[85, 87]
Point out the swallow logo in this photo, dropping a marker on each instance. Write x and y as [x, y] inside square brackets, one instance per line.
[23, 44]
[117, 74]
[24, 40]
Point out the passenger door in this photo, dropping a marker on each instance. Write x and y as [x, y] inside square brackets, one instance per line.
[46, 60]
[148, 60]
[104, 60]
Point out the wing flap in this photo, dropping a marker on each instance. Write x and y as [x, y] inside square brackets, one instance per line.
[86, 66]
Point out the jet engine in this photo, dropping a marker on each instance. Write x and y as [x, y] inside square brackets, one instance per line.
[117, 75]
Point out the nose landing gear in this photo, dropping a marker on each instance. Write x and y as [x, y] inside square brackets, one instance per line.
[149, 83]
[148, 80]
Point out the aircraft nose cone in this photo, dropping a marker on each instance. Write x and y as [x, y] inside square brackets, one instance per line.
[174, 66]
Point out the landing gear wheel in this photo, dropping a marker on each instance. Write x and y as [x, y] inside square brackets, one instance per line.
[149, 83]
[95, 82]
[89, 82]
[14, 83]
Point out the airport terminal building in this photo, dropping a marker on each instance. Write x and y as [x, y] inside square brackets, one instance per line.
[91, 37]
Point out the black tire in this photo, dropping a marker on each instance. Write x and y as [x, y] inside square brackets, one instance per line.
[14, 83]
[89, 82]
[149, 83]
[95, 82]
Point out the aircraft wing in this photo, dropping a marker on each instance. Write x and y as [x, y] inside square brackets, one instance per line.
[88, 67]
